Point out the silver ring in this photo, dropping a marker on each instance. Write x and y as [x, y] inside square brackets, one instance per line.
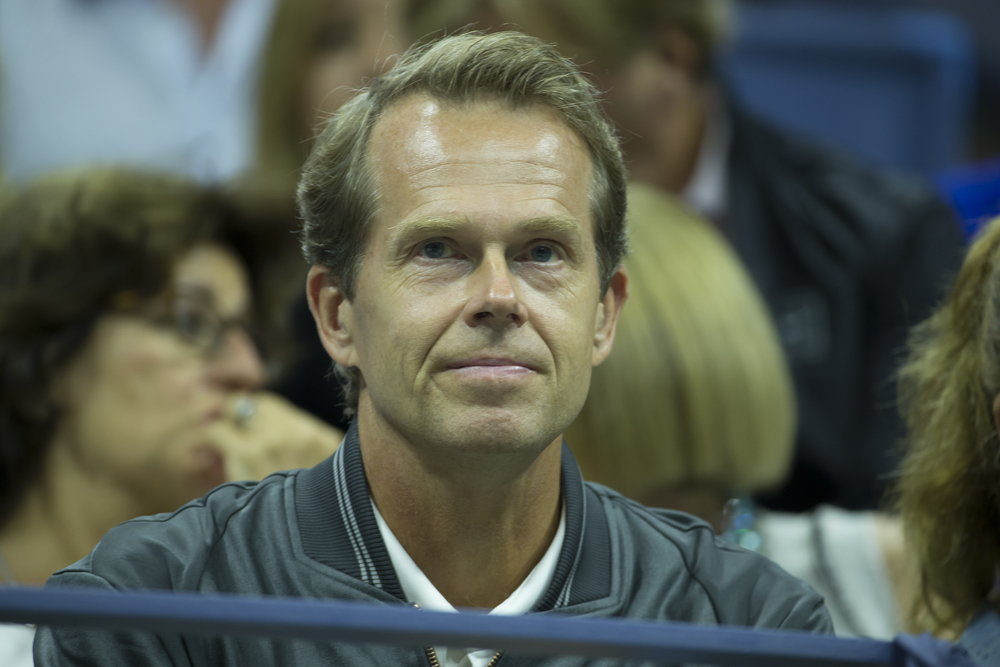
[244, 410]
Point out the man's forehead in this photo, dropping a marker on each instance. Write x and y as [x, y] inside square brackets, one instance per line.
[418, 129]
[436, 163]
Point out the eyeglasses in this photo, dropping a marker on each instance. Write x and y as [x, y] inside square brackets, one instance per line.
[188, 310]
[198, 322]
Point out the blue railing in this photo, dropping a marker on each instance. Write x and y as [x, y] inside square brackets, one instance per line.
[326, 621]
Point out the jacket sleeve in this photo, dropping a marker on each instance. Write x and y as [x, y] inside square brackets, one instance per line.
[810, 614]
[783, 602]
[64, 646]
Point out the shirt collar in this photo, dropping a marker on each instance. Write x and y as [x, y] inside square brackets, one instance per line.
[419, 589]
[338, 528]
[707, 191]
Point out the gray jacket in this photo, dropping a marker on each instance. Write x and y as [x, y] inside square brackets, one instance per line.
[312, 533]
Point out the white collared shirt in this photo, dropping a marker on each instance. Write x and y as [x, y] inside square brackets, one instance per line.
[706, 191]
[419, 589]
[125, 82]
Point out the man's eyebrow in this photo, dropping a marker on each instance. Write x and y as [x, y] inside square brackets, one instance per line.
[430, 225]
[434, 225]
[552, 225]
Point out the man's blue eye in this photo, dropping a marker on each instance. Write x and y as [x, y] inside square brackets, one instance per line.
[435, 250]
[541, 253]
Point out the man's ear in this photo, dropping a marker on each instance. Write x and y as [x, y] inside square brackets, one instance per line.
[333, 314]
[607, 314]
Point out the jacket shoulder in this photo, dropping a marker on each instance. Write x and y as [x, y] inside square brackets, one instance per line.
[681, 556]
[170, 550]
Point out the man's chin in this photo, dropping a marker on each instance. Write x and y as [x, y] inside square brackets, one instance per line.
[512, 394]
[498, 429]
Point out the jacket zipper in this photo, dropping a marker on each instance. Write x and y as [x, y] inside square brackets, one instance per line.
[432, 656]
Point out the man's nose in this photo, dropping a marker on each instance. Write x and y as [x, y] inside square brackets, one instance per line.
[494, 299]
[238, 366]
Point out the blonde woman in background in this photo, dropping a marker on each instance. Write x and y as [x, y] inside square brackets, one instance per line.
[699, 403]
[949, 493]
[698, 370]
[319, 52]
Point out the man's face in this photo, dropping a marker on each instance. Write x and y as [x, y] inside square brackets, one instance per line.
[478, 313]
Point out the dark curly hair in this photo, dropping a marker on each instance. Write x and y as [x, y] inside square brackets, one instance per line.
[71, 243]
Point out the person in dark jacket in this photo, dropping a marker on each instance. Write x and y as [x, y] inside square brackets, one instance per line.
[465, 221]
[847, 257]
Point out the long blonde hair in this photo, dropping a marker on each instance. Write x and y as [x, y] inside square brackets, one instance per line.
[697, 388]
[949, 491]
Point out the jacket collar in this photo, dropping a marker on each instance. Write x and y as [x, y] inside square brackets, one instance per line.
[338, 529]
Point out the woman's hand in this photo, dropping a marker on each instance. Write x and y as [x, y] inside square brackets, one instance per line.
[266, 433]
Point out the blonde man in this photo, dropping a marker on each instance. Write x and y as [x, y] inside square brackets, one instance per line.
[846, 258]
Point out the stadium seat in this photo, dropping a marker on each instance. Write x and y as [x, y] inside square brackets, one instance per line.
[974, 193]
[890, 85]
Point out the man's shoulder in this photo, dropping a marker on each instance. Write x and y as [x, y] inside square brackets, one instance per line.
[657, 531]
[683, 564]
[171, 550]
[863, 198]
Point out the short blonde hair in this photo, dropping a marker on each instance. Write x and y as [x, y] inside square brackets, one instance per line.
[608, 30]
[697, 389]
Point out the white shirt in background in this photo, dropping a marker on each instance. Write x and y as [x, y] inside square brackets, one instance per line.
[125, 82]
[837, 553]
[707, 190]
[419, 589]
[15, 645]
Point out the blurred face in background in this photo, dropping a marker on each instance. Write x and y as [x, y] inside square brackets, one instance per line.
[138, 401]
[355, 40]
[657, 97]
[652, 72]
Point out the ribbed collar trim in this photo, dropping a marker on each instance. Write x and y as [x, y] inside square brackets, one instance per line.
[338, 528]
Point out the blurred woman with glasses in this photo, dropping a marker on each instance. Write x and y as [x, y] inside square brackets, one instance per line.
[129, 371]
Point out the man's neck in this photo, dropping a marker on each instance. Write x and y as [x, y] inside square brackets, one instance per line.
[475, 527]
